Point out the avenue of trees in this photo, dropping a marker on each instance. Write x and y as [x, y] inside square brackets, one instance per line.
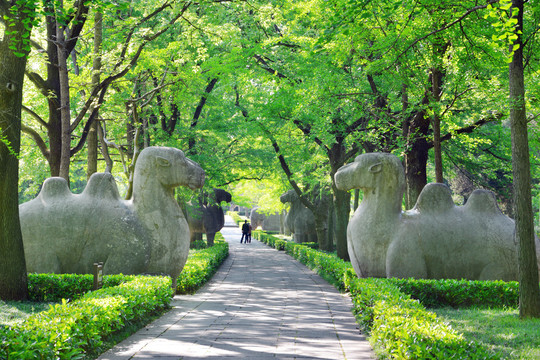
[273, 95]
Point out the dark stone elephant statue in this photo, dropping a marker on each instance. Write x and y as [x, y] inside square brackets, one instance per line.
[206, 216]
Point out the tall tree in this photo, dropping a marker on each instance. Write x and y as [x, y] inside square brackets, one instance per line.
[17, 22]
[529, 291]
[67, 23]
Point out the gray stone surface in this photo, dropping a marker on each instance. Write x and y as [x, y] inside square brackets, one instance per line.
[300, 221]
[435, 239]
[267, 222]
[68, 233]
[261, 304]
[206, 217]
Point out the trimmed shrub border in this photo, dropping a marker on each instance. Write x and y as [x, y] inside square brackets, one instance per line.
[69, 330]
[73, 328]
[399, 325]
[202, 265]
[236, 218]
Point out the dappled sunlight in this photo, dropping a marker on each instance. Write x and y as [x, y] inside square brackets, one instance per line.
[498, 329]
[261, 304]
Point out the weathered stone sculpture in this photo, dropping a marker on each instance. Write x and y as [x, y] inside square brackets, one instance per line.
[270, 222]
[299, 220]
[207, 216]
[436, 239]
[68, 233]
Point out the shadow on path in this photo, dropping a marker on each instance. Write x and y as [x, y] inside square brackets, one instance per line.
[261, 304]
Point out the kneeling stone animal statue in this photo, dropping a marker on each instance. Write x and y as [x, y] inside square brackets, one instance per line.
[436, 239]
[300, 220]
[68, 233]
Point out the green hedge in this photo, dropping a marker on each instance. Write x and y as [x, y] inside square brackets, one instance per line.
[202, 265]
[72, 329]
[461, 293]
[236, 218]
[399, 326]
[55, 287]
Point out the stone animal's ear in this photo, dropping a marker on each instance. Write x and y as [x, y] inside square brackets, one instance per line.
[375, 168]
[161, 161]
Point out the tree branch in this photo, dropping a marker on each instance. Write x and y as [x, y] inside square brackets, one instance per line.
[264, 64]
[36, 116]
[447, 26]
[37, 139]
[42, 85]
[78, 21]
[468, 129]
[102, 87]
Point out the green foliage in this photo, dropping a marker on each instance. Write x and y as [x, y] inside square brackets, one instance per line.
[201, 265]
[70, 330]
[55, 287]
[461, 293]
[279, 244]
[236, 218]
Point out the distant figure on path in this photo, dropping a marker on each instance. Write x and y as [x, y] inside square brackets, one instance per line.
[248, 238]
[245, 232]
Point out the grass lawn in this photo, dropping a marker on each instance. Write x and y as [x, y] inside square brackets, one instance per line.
[499, 329]
[15, 312]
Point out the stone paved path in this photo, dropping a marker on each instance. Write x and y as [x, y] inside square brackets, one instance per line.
[261, 304]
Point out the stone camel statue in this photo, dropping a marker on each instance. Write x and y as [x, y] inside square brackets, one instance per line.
[206, 217]
[68, 233]
[300, 220]
[436, 239]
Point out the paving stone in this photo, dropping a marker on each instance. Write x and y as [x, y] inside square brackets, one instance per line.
[261, 304]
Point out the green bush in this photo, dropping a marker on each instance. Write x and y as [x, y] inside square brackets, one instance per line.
[55, 287]
[461, 293]
[72, 329]
[197, 245]
[201, 265]
[279, 244]
[236, 217]
[264, 237]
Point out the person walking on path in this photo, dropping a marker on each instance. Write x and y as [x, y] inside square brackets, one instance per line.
[245, 232]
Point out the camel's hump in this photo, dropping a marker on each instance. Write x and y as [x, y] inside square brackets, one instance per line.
[482, 201]
[435, 197]
[54, 188]
[101, 185]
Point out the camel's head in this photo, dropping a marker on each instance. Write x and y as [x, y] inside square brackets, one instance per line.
[169, 166]
[290, 196]
[370, 171]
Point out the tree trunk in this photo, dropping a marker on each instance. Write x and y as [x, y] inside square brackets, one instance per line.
[331, 225]
[342, 207]
[92, 140]
[436, 81]
[64, 100]
[416, 156]
[54, 130]
[342, 199]
[13, 278]
[529, 291]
